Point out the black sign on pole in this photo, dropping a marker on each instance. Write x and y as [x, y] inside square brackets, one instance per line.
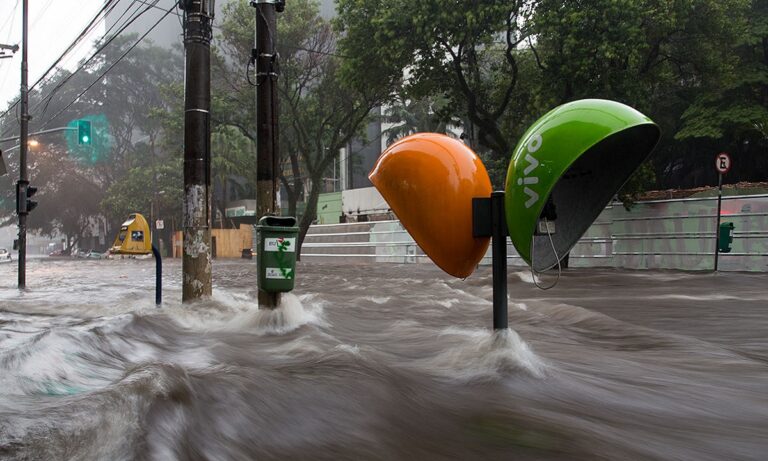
[722, 165]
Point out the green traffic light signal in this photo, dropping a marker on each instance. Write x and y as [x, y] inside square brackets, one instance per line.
[84, 132]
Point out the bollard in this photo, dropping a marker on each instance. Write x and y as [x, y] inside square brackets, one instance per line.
[158, 275]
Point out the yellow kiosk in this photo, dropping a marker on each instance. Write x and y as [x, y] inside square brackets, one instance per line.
[134, 237]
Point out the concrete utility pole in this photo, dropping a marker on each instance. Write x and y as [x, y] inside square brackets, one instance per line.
[267, 153]
[22, 185]
[196, 263]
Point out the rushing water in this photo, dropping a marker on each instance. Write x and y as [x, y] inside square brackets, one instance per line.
[381, 362]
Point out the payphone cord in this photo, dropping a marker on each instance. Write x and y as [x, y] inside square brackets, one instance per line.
[534, 274]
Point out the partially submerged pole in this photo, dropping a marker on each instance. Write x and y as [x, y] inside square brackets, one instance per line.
[719, 213]
[24, 122]
[265, 56]
[158, 275]
[489, 220]
[196, 262]
[499, 260]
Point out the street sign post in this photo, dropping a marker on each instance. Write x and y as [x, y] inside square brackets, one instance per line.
[723, 165]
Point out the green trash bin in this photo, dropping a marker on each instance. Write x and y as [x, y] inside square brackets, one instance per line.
[725, 237]
[276, 253]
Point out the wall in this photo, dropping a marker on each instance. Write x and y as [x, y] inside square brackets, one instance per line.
[663, 234]
[229, 242]
[677, 234]
[329, 208]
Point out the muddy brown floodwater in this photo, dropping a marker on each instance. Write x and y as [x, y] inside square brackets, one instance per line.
[381, 362]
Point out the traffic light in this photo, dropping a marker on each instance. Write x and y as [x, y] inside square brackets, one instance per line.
[24, 193]
[84, 132]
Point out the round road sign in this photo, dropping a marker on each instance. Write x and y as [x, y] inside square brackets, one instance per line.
[723, 163]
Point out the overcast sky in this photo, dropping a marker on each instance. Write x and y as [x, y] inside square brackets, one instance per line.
[53, 25]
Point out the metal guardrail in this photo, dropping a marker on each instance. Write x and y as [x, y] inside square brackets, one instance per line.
[700, 216]
[614, 239]
[704, 199]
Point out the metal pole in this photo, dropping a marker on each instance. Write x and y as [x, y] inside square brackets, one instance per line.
[719, 207]
[23, 180]
[36, 133]
[196, 263]
[158, 275]
[266, 121]
[499, 261]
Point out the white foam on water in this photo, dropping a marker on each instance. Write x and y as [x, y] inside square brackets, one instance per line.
[51, 363]
[225, 308]
[524, 276]
[377, 299]
[521, 306]
[290, 315]
[470, 298]
[477, 354]
[448, 303]
[712, 297]
[352, 349]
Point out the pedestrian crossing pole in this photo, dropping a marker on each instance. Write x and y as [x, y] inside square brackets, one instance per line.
[22, 185]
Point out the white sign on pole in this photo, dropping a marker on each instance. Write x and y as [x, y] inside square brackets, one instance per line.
[159, 224]
[723, 163]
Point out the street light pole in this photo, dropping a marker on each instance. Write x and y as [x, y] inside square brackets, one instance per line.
[23, 180]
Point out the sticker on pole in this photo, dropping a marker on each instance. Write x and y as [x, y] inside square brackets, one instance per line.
[279, 273]
[723, 163]
[280, 244]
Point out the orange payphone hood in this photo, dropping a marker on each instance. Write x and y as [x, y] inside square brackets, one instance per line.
[429, 180]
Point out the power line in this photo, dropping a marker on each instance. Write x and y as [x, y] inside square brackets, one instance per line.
[132, 18]
[10, 19]
[135, 15]
[113, 3]
[82, 34]
[41, 13]
[154, 5]
[98, 79]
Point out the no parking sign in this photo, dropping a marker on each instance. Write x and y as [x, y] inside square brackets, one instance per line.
[723, 163]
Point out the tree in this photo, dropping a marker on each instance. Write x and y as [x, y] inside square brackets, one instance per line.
[732, 114]
[148, 191]
[655, 56]
[123, 107]
[413, 116]
[319, 115]
[468, 51]
[67, 196]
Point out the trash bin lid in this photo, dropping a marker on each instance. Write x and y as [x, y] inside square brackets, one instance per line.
[278, 223]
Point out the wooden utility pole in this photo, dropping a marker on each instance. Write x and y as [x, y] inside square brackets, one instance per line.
[196, 262]
[267, 154]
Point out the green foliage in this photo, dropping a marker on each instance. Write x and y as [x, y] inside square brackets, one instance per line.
[738, 105]
[141, 186]
[688, 64]
[126, 111]
[466, 51]
[318, 114]
[637, 184]
[414, 116]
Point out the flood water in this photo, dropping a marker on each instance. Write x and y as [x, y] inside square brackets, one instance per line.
[369, 362]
